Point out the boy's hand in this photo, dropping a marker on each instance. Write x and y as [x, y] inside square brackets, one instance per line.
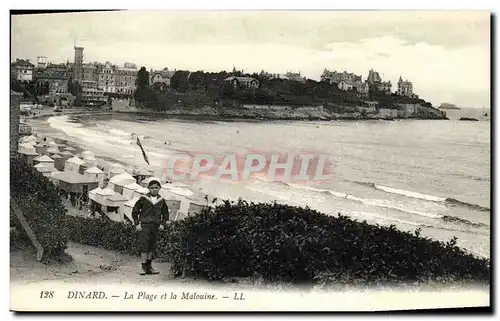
[162, 227]
[138, 227]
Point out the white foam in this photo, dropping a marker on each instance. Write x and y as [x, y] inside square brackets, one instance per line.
[382, 217]
[372, 202]
[410, 193]
[119, 132]
[318, 190]
[393, 205]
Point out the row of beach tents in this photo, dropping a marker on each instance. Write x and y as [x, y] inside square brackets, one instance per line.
[89, 179]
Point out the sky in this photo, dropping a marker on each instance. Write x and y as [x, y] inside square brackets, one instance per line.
[446, 54]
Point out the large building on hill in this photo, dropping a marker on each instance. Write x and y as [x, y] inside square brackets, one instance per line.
[23, 70]
[375, 81]
[346, 81]
[337, 77]
[247, 82]
[111, 78]
[373, 77]
[92, 94]
[289, 75]
[56, 76]
[161, 76]
[405, 87]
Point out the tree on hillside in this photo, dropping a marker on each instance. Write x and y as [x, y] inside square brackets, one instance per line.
[71, 89]
[179, 81]
[77, 89]
[196, 80]
[160, 87]
[142, 85]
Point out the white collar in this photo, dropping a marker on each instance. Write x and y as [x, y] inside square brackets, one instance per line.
[154, 199]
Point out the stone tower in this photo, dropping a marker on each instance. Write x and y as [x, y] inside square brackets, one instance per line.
[77, 67]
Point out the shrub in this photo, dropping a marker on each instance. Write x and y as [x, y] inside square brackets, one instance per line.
[103, 233]
[38, 200]
[292, 244]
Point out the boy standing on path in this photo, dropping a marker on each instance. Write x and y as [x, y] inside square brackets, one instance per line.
[150, 214]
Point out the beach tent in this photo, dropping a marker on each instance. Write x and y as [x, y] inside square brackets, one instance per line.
[195, 208]
[86, 153]
[53, 150]
[46, 170]
[30, 138]
[27, 156]
[58, 162]
[95, 173]
[74, 182]
[53, 179]
[26, 148]
[101, 195]
[145, 182]
[73, 164]
[44, 159]
[41, 148]
[128, 190]
[173, 209]
[66, 155]
[116, 169]
[62, 147]
[28, 144]
[168, 195]
[141, 174]
[127, 208]
[119, 181]
[116, 202]
[70, 149]
[93, 193]
[52, 144]
[181, 191]
[140, 192]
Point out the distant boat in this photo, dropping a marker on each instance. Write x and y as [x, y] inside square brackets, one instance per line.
[468, 119]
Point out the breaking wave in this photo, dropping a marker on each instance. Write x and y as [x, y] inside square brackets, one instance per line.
[426, 197]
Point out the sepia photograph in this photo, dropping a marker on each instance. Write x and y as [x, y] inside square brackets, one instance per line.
[250, 160]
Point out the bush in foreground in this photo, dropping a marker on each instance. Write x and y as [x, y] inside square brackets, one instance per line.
[38, 199]
[292, 244]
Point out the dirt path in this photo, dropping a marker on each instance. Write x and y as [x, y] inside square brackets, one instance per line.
[92, 265]
[89, 264]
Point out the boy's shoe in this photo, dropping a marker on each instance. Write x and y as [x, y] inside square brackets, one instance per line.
[144, 269]
[150, 269]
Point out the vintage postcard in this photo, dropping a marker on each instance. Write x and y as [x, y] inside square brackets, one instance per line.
[250, 161]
